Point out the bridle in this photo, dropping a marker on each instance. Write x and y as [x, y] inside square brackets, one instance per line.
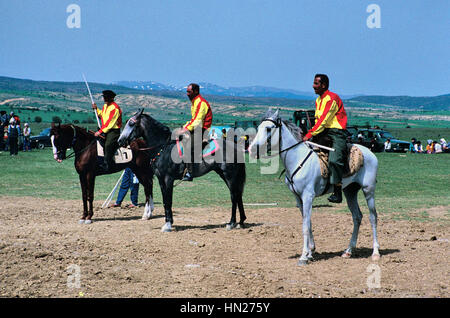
[278, 124]
[74, 140]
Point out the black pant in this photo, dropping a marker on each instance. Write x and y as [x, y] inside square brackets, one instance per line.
[196, 152]
[13, 145]
[111, 146]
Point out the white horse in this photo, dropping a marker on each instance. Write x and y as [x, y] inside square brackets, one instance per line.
[304, 179]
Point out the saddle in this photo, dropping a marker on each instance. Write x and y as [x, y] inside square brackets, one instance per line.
[355, 159]
[209, 147]
[122, 155]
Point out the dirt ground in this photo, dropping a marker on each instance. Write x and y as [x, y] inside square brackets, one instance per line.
[42, 246]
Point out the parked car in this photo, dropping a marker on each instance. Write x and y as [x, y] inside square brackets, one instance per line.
[42, 140]
[374, 139]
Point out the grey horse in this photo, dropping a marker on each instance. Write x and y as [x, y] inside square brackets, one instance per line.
[304, 179]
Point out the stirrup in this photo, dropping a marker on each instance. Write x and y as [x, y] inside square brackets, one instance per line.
[187, 177]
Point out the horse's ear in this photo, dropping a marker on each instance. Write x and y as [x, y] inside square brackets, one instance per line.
[268, 113]
[142, 110]
[276, 114]
[53, 125]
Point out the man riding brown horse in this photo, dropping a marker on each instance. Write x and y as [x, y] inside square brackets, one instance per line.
[111, 116]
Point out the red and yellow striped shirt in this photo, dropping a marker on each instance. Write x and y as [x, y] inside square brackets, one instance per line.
[330, 113]
[201, 114]
[111, 116]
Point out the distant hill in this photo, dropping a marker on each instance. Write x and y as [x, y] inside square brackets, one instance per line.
[441, 102]
[212, 89]
[251, 95]
[15, 84]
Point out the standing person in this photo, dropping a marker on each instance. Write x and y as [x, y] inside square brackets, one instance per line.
[3, 125]
[26, 137]
[13, 137]
[201, 120]
[129, 181]
[16, 118]
[331, 120]
[111, 117]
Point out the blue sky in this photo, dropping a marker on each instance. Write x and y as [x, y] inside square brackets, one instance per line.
[279, 43]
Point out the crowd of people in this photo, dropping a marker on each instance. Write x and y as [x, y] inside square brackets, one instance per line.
[432, 146]
[13, 133]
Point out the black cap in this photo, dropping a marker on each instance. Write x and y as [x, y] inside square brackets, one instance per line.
[108, 93]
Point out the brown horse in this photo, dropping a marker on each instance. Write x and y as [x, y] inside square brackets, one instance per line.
[87, 164]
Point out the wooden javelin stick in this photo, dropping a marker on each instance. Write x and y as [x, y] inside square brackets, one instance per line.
[108, 199]
[92, 100]
[320, 146]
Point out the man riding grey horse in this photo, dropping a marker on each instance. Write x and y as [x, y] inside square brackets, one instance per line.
[331, 120]
[200, 123]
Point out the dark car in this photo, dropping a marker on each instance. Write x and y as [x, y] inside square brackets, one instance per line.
[42, 140]
[374, 139]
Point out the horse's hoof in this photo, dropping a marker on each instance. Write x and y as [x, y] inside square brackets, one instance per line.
[376, 257]
[166, 228]
[302, 262]
[87, 221]
[81, 221]
[230, 226]
[346, 255]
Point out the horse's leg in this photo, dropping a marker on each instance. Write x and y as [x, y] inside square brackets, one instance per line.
[90, 196]
[149, 205]
[166, 184]
[232, 223]
[240, 192]
[351, 195]
[307, 200]
[242, 216]
[369, 193]
[299, 205]
[84, 197]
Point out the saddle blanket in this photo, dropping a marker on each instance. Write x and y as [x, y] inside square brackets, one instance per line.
[355, 161]
[122, 155]
[209, 149]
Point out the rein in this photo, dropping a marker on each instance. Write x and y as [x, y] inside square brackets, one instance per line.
[278, 124]
[74, 140]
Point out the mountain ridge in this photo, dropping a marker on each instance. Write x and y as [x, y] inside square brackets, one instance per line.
[245, 95]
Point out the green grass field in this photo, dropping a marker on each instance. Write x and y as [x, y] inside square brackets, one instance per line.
[406, 183]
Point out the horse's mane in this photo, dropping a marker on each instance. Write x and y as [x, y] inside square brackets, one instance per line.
[295, 130]
[79, 130]
[158, 128]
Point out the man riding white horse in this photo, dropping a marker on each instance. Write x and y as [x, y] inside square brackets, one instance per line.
[331, 120]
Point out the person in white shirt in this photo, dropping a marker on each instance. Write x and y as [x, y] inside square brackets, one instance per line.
[388, 146]
[26, 137]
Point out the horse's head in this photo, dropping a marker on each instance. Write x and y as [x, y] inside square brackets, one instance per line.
[61, 140]
[268, 133]
[143, 125]
[132, 130]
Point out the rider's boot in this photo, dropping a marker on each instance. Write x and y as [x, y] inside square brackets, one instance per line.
[336, 197]
[188, 176]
